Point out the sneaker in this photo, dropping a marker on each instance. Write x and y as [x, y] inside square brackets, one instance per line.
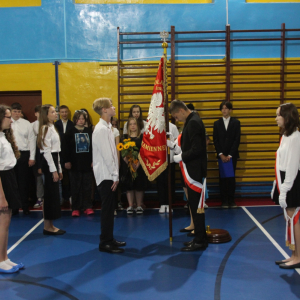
[89, 211]
[167, 209]
[115, 213]
[75, 213]
[205, 205]
[162, 209]
[139, 210]
[186, 206]
[130, 210]
[39, 203]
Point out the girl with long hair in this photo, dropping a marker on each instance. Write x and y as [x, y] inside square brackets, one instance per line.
[9, 193]
[136, 112]
[134, 189]
[287, 190]
[49, 143]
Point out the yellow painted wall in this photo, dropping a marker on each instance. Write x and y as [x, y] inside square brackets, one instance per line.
[82, 83]
[20, 3]
[29, 77]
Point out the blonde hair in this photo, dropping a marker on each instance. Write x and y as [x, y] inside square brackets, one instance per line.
[101, 103]
[137, 126]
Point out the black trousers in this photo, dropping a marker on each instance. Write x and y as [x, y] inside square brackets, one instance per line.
[199, 219]
[22, 174]
[81, 185]
[227, 186]
[108, 198]
[162, 185]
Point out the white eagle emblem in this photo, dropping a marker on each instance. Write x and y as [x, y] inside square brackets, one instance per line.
[156, 118]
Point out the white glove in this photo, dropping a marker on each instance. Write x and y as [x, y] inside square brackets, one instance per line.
[178, 158]
[282, 201]
[170, 144]
[170, 135]
[177, 149]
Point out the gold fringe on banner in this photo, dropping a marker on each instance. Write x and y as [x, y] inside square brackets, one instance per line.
[292, 247]
[156, 173]
[200, 210]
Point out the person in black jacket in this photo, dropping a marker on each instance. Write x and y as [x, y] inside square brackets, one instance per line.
[193, 155]
[227, 133]
[62, 126]
[78, 158]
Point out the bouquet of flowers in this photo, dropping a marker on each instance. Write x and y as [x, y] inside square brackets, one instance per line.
[129, 150]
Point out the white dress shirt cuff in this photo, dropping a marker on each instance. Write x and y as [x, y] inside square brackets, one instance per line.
[115, 178]
[52, 167]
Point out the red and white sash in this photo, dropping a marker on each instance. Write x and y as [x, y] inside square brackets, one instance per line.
[193, 184]
[290, 221]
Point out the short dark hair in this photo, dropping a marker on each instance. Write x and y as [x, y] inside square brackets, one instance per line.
[63, 107]
[227, 104]
[290, 115]
[176, 105]
[37, 108]
[16, 105]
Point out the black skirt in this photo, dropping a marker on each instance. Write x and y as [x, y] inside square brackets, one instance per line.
[292, 196]
[10, 188]
[51, 191]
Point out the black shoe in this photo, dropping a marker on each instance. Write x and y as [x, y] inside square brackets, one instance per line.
[110, 249]
[279, 262]
[232, 204]
[195, 247]
[191, 234]
[284, 266]
[59, 232]
[188, 243]
[119, 243]
[185, 230]
[15, 212]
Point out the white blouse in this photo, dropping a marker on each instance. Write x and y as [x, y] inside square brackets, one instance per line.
[125, 127]
[7, 156]
[51, 145]
[288, 154]
[25, 137]
[116, 132]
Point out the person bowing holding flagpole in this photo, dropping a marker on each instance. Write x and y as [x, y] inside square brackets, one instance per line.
[193, 165]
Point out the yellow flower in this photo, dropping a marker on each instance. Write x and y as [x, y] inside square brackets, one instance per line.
[125, 141]
[120, 146]
[126, 146]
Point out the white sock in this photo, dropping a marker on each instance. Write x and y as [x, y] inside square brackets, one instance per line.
[10, 263]
[5, 266]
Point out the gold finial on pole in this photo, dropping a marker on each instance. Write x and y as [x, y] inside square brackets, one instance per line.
[164, 35]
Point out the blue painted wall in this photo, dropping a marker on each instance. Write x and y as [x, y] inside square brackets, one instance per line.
[60, 29]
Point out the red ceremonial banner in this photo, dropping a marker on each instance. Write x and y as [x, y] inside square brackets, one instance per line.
[153, 153]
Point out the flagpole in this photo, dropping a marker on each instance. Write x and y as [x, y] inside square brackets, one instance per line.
[164, 35]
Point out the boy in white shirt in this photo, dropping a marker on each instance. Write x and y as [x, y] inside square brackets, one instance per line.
[26, 143]
[106, 171]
